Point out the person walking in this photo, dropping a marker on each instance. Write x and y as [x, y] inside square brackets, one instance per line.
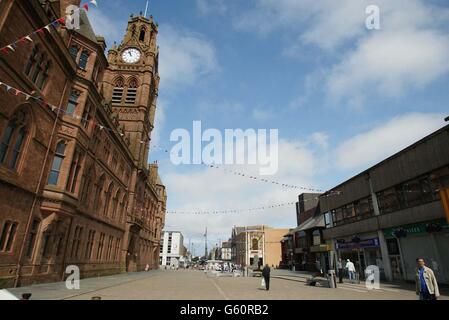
[266, 276]
[351, 269]
[426, 283]
[340, 270]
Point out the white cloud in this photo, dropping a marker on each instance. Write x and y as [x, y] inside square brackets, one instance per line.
[217, 189]
[410, 51]
[185, 57]
[106, 26]
[207, 7]
[370, 147]
[262, 114]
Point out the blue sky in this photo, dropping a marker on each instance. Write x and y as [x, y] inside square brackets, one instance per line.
[343, 97]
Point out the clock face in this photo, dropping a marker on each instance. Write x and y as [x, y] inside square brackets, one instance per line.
[131, 55]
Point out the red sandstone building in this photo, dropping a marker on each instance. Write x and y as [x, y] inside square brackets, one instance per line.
[75, 185]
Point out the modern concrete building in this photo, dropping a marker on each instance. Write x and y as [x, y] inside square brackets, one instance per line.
[392, 213]
[172, 249]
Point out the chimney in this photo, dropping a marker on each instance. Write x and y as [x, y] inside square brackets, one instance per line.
[63, 4]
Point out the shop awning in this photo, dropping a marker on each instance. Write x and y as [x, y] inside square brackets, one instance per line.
[311, 223]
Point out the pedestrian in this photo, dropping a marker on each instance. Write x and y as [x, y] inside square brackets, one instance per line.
[266, 276]
[426, 283]
[147, 267]
[340, 270]
[351, 269]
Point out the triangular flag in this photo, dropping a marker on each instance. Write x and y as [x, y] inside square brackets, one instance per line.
[41, 30]
[86, 6]
[61, 20]
[53, 108]
[94, 2]
[27, 97]
[10, 47]
[101, 127]
[5, 50]
[48, 28]
[7, 87]
[16, 92]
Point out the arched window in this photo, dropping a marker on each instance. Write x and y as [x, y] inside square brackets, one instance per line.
[117, 93]
[31, 60]
[131, 92]
[115, 205]
[14, 138]
[37, 68]
[142, 35]
[107, 199]
[87, 186]
[44, 75]
[75, 169]
[57, 162]
[99, 191]
[84, 58]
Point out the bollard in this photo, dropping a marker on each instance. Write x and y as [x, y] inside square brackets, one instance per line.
[332, 279]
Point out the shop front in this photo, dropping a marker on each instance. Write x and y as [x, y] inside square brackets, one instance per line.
[362, 251]
[428, 240]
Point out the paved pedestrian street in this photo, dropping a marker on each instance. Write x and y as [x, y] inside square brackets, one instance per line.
[197, 285]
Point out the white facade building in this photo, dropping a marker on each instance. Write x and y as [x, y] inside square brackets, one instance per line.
[172, 250]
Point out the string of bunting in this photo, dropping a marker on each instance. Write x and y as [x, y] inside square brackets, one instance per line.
[17, 92]
[11, 47]
[253, 177]
[230, 211]
[12, 90]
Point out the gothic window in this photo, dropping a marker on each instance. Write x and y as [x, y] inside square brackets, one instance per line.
[142, 35]
[86, 115]
[87, 187]
[107, 197]
[31, 60]
[89, 244]
[75, 168]
[117, 93]
[115, 204]
[131, 92]
[76, 242]
[57, 162]
[14, 138]
[99, 191]
[100, 246]
[32, 239]
[84, 58]
[74, 52]
[37, 68]
[7, 236]
[73, 102]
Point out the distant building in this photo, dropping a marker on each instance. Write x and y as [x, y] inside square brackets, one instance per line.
[172, 249]
[226, 250]
[393, 213]
[257, 245]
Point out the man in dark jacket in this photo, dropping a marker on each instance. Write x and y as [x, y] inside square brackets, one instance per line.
[266, 276]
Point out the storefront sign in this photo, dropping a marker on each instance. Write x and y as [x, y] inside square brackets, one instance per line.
[416, 229]
[366, 243]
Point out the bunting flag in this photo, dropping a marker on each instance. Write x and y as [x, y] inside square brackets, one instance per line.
[56, 23]
[231, 211]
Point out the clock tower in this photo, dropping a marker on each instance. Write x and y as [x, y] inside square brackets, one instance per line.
[131, 84]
